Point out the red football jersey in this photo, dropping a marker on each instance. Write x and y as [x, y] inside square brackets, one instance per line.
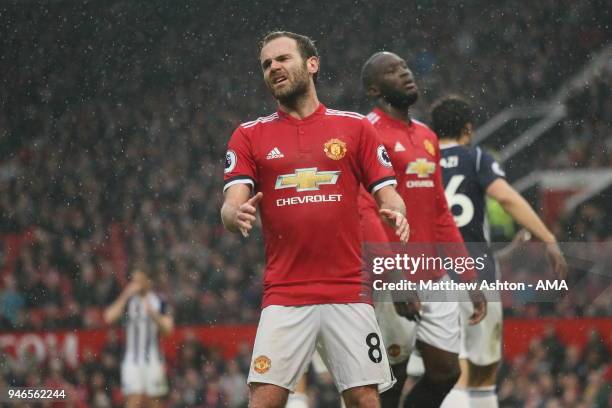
[310, 171]
[415, 154]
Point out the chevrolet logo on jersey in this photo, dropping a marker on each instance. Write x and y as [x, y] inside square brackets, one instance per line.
[421, 167]
[307, 179]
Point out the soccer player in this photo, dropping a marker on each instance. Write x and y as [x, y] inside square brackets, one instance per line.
[470, 174]
[304, 164]
[414, 153]
[143, 374]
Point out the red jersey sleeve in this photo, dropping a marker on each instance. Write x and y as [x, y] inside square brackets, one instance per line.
[376, 167]
[240, 167]
[446, 228]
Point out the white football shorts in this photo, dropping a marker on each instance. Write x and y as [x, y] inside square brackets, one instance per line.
[438, 327]
[481, 343]
[346, 336]
[144, 379]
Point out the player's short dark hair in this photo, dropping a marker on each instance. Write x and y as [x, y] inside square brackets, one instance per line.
[450, 115]
[367, 71]
[305, 44]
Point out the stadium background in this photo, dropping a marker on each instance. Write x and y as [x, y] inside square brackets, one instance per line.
[113, 126]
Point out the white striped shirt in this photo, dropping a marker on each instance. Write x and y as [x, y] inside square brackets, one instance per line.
[141, 331]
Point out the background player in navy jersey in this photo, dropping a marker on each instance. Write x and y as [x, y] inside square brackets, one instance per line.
[470, 174]
[305, 164]
[143, 374]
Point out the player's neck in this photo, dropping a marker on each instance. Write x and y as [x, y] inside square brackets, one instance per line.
[302, 106]
[446, 141]
[462, 140]
[402, 114]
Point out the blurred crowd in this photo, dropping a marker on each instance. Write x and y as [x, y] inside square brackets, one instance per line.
[116, 120]
[97, 201]
[585, 134]
[115, 116]
[552, 375]
[549, 375]
[199, 377]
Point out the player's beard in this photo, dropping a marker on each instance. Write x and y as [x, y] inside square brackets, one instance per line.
[400, 99]
[298, 86]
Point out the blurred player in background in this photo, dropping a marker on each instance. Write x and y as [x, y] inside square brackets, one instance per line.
[413, 150]
[470, 174]
[305, 164]
[143, 372]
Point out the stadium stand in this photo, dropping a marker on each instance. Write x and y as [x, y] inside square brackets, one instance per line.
[114, 121]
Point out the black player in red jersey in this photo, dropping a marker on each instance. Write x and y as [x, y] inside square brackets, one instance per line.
[414, 152]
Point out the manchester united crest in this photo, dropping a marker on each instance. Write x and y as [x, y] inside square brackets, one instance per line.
[262, 364]
[335, 149]
[429, 147]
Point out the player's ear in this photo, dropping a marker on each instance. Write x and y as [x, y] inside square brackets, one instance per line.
[468, 129]
[312, 65]
[373, 91]
[467, 132]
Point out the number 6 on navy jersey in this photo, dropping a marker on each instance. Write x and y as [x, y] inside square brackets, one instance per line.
[457, 199]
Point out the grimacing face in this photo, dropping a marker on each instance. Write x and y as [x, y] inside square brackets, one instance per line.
[285, 71]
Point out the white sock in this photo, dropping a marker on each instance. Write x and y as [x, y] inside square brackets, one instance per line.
[456, 398]
[297, 400]
[483, 397]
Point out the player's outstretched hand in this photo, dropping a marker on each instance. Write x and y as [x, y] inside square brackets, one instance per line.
[411, 308]
[397, 220]
[557, 260]
[522, 236]
[479, 301]
[245, 216]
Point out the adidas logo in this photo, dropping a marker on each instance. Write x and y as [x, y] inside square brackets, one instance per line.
[274, 154]
[399, 147]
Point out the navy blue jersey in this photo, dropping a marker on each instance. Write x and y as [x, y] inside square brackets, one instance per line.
[467, 171]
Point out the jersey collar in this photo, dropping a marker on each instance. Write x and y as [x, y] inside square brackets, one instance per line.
[391, 120]
[448, 145]
[313, 116]
[407, 128]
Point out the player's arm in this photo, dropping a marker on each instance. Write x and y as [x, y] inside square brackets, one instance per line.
[163, 319]
[507, 252]
[116, 309]
[393, 211]
[379, 179]
[390, 203]
[165, 323]
[520, 210]
[238, 212]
